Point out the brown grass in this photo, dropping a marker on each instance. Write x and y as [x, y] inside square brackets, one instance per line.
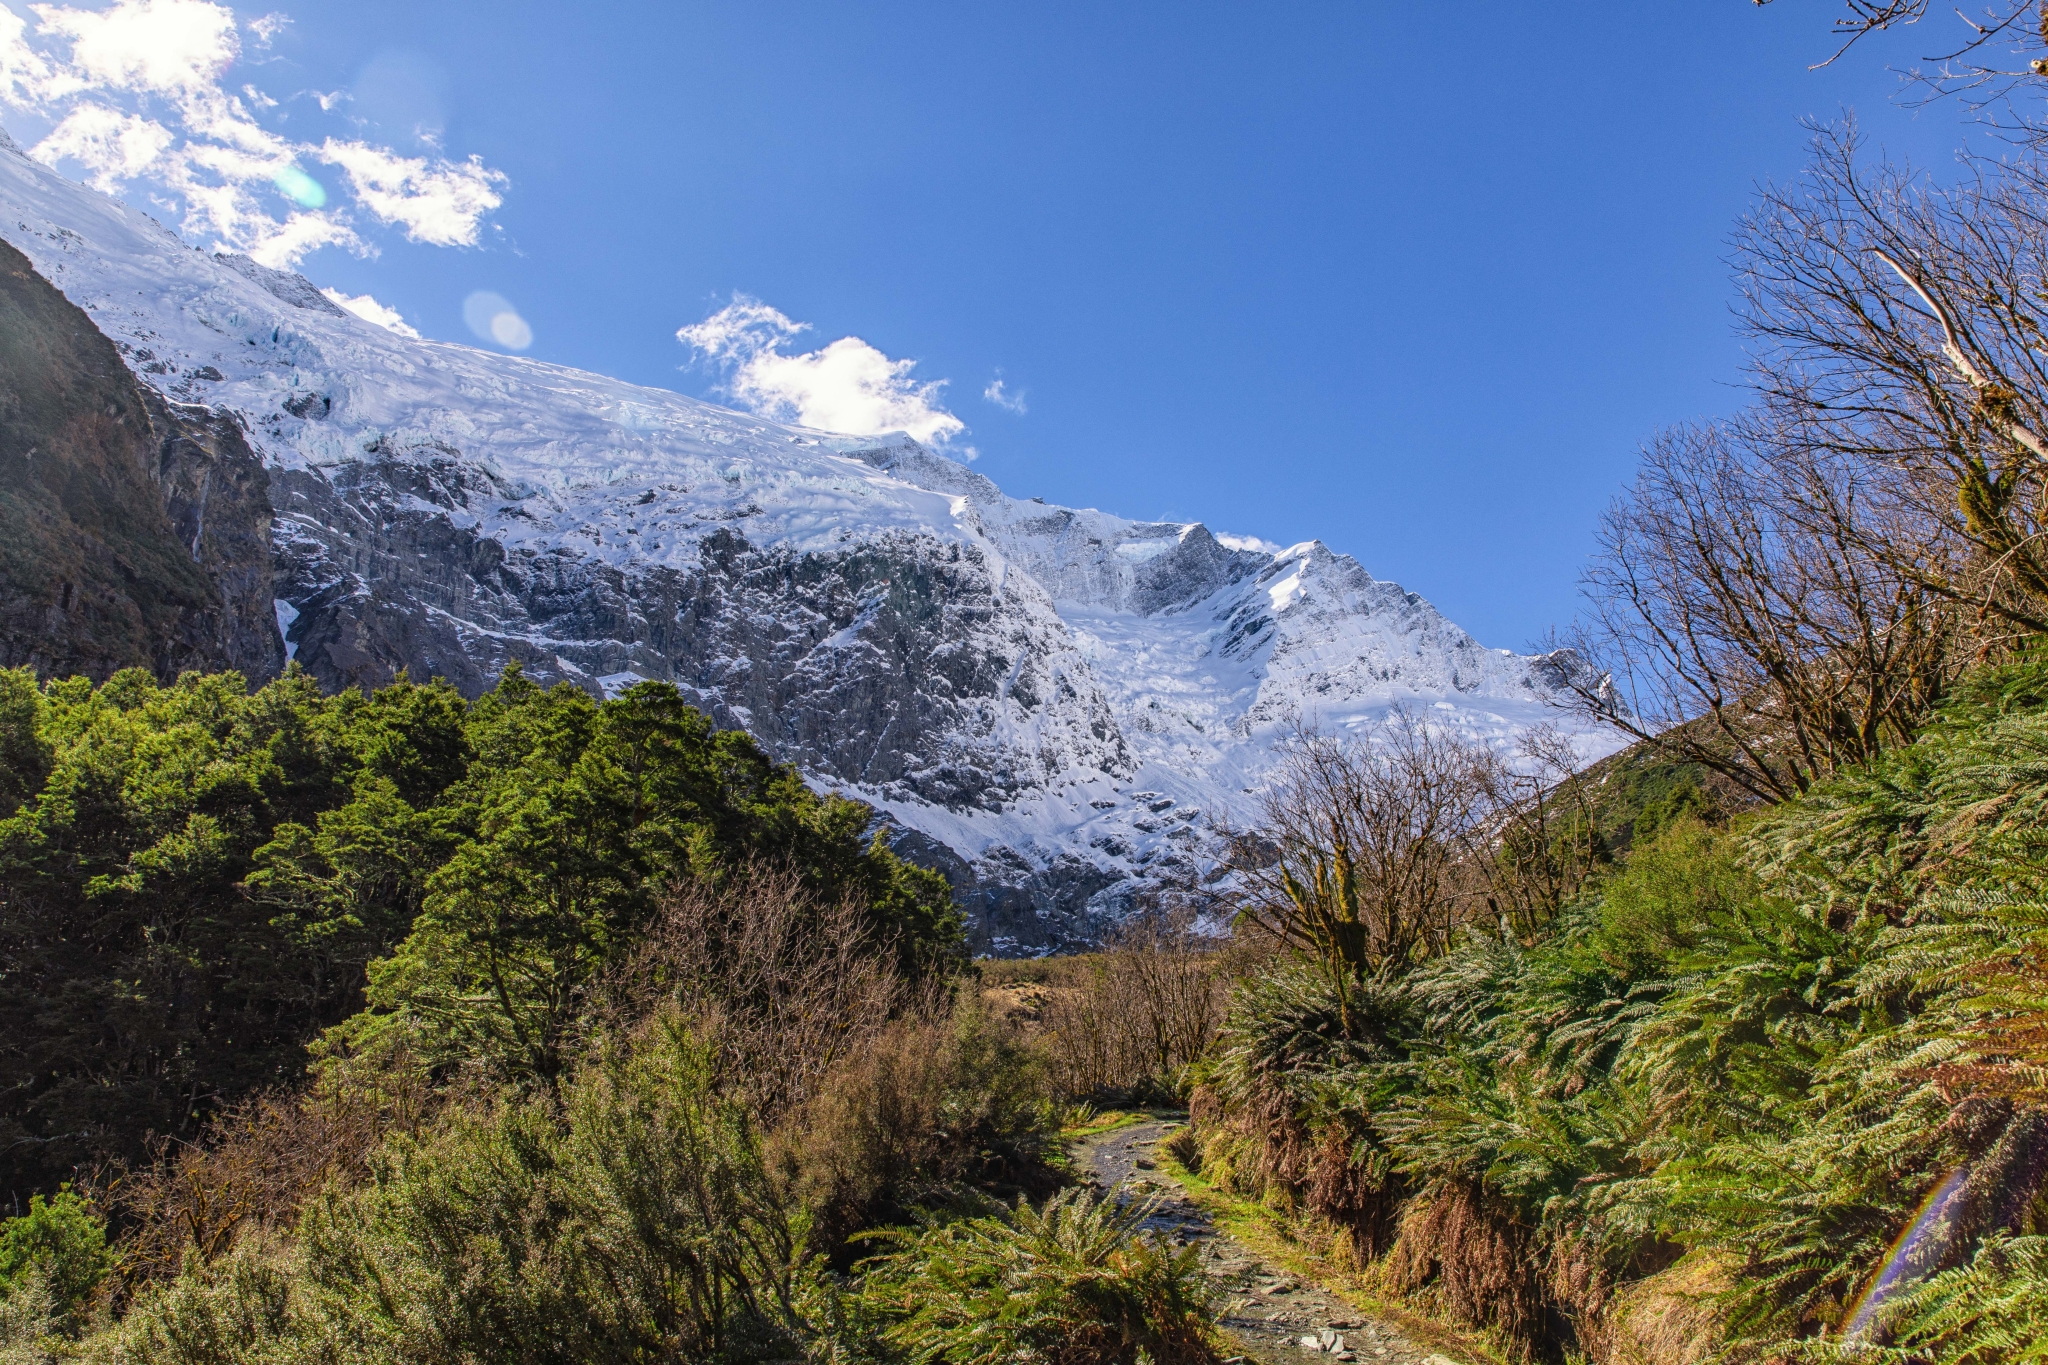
[1476, 1262]
[1670, 1318]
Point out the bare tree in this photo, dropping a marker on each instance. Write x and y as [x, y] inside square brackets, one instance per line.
[1753, 618]
[1374, 850]
[787, 984]
[1356, 859]
[1131, 1017]
[1539, 839]
[1968, 59]
[1900, 327]
[1802, 582]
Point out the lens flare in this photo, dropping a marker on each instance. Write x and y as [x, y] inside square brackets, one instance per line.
[493, 318]
[302, 189]
[511, 331]
[1901, 1268]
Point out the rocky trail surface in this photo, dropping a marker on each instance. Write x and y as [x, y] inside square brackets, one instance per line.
[1270, 1316]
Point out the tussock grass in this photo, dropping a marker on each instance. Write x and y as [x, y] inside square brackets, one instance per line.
[1070, 1282]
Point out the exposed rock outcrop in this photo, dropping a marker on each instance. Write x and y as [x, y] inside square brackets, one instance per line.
[134, 532]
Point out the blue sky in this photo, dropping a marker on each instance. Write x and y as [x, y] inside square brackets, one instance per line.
[1412, 279]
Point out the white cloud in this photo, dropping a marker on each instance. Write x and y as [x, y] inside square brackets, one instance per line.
[1229, 542]
[135, 93]
[1002, 397]
[442, 203]
[23, 72]
[740, 331]
[369, 310]
[847, 386]
[170, 47]
[281, 247]
[111, 145]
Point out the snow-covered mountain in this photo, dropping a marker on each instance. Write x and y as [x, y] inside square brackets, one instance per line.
[1055, 705]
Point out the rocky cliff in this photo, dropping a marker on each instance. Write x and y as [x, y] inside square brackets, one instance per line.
[134, 532]
[1055, 706]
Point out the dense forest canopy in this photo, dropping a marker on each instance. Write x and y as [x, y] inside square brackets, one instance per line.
[194, 879]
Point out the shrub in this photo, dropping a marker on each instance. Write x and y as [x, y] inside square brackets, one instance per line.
[60, 1244]
[246, 1307]
[262, 1161]
[941, 1102]
[627, 1219]
[636, 1222]
[28, 1322]
[1072, 1282]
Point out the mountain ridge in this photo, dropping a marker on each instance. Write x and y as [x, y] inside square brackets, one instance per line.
[1055, 705]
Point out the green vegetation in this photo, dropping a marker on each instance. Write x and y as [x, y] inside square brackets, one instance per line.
[198, 876]
[399, 1027]
[58, 1248]
[395, 1027]
[1072, 1281]
[1772, 1087]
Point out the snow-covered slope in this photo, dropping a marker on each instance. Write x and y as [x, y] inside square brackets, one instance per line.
[1055, 704]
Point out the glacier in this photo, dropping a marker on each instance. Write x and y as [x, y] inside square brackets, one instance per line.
[1057, 707]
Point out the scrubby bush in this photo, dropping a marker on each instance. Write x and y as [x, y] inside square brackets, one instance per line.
[630, 1219]
[940, 1103]
[753, 1085]
[57, 1249]
[1070, 1282]
[28, 1323]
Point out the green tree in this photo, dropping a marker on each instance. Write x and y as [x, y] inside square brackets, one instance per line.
[574, 816]
[199, 875]
[60, 1242]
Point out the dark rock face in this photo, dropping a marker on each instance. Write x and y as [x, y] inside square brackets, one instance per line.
[133, 532]
[1015, 907]
[892, 664]
[889, 664]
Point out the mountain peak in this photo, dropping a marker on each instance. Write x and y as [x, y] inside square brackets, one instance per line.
[996, 675]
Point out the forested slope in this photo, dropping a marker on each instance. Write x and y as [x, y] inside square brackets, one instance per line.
[1772, 1079]
[197, 876]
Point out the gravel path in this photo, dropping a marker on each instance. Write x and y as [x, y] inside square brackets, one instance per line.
[1267, 1313]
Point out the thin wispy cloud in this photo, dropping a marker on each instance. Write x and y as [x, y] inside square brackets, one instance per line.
[846, 386]
[437, 202]
[1002, 396]
[136, 94]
